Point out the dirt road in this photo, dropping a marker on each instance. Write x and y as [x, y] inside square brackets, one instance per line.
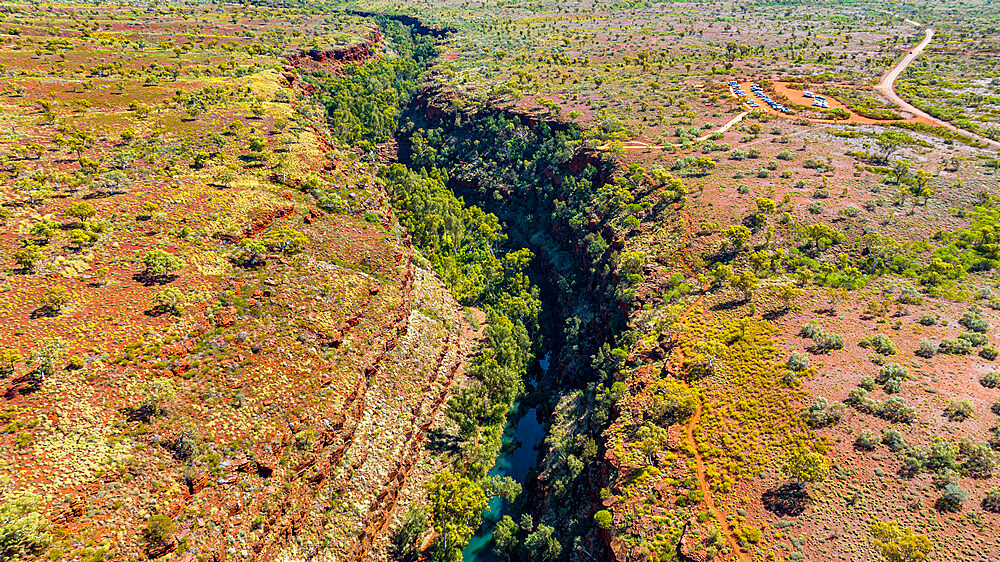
[886, 87]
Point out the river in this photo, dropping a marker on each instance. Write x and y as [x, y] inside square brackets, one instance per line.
[518, 456]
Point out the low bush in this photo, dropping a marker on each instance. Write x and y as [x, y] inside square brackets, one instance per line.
[866, 441]
[957, 346]
[991, 501]
[959, 410]
[990, 380]
[952, 498]
[927, 349]
[881, 343]
[823, 413]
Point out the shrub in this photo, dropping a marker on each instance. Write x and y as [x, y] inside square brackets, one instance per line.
[988, 352]
[975, 338]
[159, 529]
[927, 349]
[868, 383]
[895, 409]
[952, 498]
[23, 531]
[991, 501]
[893, 439]
[957, 346]
[797, 361]
[900, 544]
[823, 413]
[892, 386]
[941, 455]
[990, 380]
[928, 320]
[911, 466]
[158, 262]
[828, 342]
[859, 399]
[603, 519]
[979, 458]
[959, 410]
[891, 371]
[880, 343]
[974, 321]
[866, 441]
[56, 297]
[995, 408]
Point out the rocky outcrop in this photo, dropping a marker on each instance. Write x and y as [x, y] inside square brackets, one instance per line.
[315, 59]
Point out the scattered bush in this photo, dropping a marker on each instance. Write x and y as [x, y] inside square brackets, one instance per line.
[797, 361]
[974, 321]
[959, 410]
[893, 439]
[952, 498]
[159, 529]
[990, 380]
[991, 501]
[975, 338]
[822, 340]
[891, 371]
[927, 349]
[823, 413]
[957, 346]
[979, 459]
[895, 409]
[881, 343]
[866, 441]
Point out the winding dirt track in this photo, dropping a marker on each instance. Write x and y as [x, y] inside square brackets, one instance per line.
[887, 87]
[706, 491]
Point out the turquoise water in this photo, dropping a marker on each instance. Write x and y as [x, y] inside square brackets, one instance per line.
[517, 457]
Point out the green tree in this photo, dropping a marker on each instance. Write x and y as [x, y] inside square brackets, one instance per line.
[284, 239]
[27, 255]
[505, 539]
[8, 359]
[821, 235]
[889, 142]
[746, 283]
[56, 297]
[159, 262]
[170, 299]
[46, 354]
[787, 293]
[738, 236]
[542, 544]
[80, 211]
[805, 466]
[455, 507]
[900, 171]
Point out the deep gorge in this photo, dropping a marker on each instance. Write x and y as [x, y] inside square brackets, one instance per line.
[517, 217]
